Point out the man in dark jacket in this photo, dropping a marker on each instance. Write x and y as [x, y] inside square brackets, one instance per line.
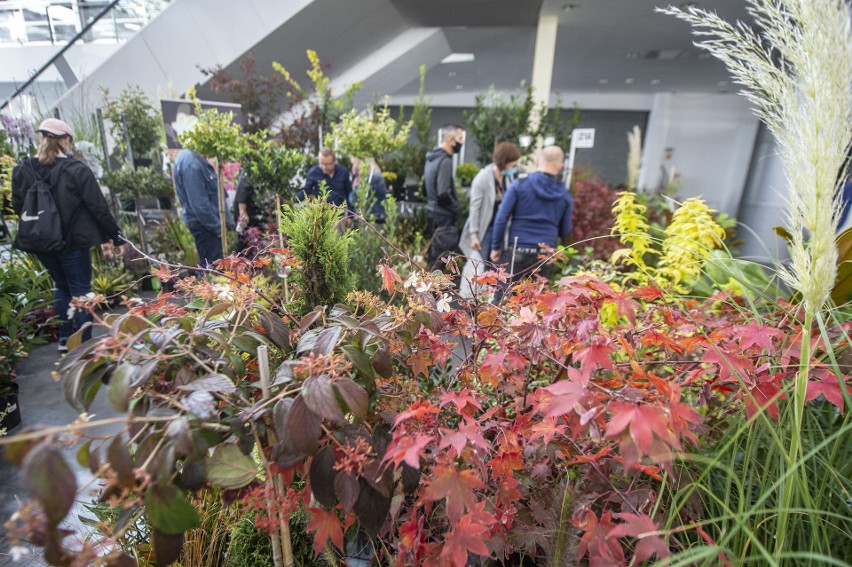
[540, 208]
[332, 174]
[197, 188]
[442, 204]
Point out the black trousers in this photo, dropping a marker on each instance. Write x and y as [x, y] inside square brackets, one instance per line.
[444, 239]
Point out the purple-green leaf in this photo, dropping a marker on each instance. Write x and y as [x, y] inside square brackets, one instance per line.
[318, 393]
[50, 480]
[304, 427]
[354, 396]
[322, 475]
[212, 382]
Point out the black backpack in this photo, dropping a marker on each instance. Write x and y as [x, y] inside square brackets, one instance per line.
[40, 224]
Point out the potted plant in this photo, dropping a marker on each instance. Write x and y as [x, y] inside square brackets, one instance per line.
[134, 122]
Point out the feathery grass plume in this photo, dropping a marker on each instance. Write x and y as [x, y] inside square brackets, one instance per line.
[632, 228]
[690, 237]
[798, 72]
[634, 157]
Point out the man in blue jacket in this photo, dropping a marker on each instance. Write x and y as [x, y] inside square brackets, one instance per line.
[197, 189]
[540, 209]
[334, 175]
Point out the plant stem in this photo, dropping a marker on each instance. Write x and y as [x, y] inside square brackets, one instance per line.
[795, 435]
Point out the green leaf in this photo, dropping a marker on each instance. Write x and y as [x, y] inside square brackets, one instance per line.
[843, 284]
[83, 454]
[230, 468]
[168, 510]
[361, 361]
[49, 479]
[119, 386]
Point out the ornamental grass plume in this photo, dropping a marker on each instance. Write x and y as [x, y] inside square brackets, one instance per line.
[797, 71]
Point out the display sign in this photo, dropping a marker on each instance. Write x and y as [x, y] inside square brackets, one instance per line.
[583, 138]
[179, 116]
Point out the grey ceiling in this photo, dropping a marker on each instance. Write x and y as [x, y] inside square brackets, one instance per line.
[605, 46]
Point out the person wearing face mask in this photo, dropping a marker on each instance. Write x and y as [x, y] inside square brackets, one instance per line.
[541, 209]
[84, 215]
[442, 204]
[486, 194]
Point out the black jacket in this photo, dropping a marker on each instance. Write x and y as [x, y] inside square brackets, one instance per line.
[440, 188]
[86, 220]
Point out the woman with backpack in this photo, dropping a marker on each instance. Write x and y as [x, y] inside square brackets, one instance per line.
[62, 214]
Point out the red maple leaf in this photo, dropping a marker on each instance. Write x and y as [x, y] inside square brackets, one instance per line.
[418, 411]
[456, 486]
[420, 363]
[643, 528]
[643, 423]
[505, 462]
[463, 399]
[436, 347]
[625, 306]
[326, 527]
[655, 338]
[829, 387]
[765, 395]
[389, 277]
[546, 430]
[594, 356]
[407, 449]
[648, 293]
[566, 394]
[465, 537]
[761, 336]
[732, 367]
[457, 439]
[492, 367]
[602, 549]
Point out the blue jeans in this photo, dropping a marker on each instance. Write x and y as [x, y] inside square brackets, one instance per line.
[208, 244]
[486, 242]
[72, 277]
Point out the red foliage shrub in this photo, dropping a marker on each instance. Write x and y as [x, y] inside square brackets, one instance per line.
[593, 218]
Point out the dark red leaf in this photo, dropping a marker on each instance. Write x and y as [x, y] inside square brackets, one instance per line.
[354, 396]
[304, 427]
[49, 479]
[318, 394]
[322, 475]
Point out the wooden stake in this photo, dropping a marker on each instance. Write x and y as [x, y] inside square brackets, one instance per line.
[283, 543]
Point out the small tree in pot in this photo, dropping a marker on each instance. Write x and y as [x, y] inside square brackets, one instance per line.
[143, 122]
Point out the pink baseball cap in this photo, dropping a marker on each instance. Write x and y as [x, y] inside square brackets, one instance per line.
[55, 127]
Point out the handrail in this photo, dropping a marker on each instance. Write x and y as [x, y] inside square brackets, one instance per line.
[59, 54]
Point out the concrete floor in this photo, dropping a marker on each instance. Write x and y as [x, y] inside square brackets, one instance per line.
[42, 403]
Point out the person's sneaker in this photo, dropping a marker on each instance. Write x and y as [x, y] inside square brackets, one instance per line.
[63, 346]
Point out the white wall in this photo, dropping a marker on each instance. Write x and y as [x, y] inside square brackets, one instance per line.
[165, 55]
[711, 139]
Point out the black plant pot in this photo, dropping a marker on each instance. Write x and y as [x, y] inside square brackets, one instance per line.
[10, 400]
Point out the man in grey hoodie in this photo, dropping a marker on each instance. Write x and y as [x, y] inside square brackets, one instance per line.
[442, 204]
[540, 208]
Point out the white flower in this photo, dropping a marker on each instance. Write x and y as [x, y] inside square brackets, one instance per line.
[424, 286]
[411, 281]
[223, 292]
[18, 552]
[443, 304]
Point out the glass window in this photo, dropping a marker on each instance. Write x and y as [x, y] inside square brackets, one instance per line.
[7, 27]
[64, 21]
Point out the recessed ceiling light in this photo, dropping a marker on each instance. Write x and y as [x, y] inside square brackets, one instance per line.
[628, 81]
[603, 81]
[655, 81]
[722, 83]
[459, 87]
[458, 58]
[631, 55]
[568, 7]
[451, 74]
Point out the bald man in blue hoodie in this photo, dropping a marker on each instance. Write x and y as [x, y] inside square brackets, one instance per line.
[540, 209]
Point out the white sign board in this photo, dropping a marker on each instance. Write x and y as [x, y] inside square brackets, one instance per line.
[583, 138]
